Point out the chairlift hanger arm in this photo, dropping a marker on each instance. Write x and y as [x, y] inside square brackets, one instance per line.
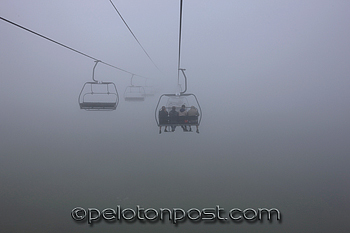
[183, 72]
[93, 70]
[132, 76]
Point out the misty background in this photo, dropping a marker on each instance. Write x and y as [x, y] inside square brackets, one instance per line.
[272, 78]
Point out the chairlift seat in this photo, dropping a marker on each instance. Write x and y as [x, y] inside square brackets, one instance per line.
[178, 121]
[98, 106]
[134, 98]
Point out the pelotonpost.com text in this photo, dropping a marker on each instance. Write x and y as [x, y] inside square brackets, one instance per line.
[175, 215]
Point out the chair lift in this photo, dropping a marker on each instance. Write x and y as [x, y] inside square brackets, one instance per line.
[134, 93]
[149, 89]
[170, 101]
[98, 95]
[177, 100]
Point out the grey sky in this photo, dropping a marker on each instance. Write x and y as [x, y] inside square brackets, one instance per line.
[272, 78]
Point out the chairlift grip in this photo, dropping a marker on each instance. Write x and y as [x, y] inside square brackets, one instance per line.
[93, 70]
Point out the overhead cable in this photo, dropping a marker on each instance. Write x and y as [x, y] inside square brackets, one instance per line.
[133, 34]
[84, 54]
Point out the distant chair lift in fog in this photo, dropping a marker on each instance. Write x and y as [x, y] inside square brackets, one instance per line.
[134, 93]
[149, 89]
[98, 95]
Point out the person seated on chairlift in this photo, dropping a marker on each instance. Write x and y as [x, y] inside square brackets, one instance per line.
[193, 112]
[163, 119]
[173, 117]
[183, 113]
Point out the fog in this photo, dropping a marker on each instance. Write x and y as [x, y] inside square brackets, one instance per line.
[272, 79]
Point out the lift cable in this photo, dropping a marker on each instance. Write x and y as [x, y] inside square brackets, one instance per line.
[84, 54]
[133, 34]
[180, 27]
